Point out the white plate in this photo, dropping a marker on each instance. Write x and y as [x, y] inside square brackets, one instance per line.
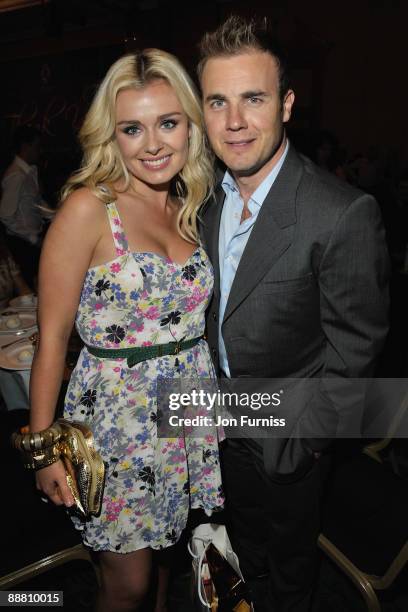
[9, 357]
[27, 321]
[24, 302]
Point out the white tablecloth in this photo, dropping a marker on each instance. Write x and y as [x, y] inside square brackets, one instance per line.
[14, 384]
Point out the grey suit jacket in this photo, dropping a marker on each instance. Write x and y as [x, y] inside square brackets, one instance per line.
[309, 298]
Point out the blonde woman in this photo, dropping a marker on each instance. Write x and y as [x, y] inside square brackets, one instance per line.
[123, 259]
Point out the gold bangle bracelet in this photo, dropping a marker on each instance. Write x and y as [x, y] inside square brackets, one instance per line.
[37, 441]
[35, 460]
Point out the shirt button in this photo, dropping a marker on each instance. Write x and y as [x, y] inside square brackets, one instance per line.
[214, 316]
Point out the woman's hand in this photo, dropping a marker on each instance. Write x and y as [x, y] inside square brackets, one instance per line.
[52, 481]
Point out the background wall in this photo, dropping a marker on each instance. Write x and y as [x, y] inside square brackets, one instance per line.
[349, 63]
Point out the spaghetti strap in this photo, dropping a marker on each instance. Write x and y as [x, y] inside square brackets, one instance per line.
[118, 234]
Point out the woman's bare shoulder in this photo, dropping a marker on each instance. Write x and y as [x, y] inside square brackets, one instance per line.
[81, 216]
[83, 203]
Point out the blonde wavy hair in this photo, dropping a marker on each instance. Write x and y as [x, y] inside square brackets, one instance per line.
[102, 164]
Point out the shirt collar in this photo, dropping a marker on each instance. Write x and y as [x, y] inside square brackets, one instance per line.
[229, 185]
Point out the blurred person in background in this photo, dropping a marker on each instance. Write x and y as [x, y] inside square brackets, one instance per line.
[326, 154]
[11, 281]
[21, 202]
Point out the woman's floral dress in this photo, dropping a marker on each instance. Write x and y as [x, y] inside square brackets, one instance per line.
[142, 299]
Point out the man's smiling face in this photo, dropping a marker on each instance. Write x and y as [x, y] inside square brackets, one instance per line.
[243, 111]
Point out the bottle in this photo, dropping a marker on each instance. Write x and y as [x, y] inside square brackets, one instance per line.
[232, 592]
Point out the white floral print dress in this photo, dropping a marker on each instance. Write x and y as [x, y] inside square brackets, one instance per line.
[142, 299]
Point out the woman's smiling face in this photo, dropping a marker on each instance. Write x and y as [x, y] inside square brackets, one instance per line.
[152, 132]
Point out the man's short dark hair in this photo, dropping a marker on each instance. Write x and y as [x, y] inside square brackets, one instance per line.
[237, 35]
[25, 134]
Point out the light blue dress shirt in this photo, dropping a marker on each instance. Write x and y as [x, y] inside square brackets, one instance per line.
[234, 235]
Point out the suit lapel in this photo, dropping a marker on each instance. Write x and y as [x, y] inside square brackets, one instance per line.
[211, 229]
[271, 235]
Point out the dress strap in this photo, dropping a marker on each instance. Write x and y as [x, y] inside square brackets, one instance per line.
[118, 234]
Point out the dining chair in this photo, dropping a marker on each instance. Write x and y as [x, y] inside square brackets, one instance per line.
[365, 527]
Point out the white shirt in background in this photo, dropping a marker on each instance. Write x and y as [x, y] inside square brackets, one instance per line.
[20, 200]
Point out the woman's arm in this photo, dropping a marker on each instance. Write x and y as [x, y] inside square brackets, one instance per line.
[65, 258]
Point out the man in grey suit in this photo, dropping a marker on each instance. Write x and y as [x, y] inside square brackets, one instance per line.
[301, 274]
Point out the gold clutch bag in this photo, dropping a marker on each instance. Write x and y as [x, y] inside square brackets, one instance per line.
[73, 443]
[84, 467]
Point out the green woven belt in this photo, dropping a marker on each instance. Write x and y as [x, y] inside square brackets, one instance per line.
[142, 353]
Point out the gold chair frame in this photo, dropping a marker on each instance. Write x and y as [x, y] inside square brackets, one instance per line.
[77, 552]
[367, 583]
[373, 449]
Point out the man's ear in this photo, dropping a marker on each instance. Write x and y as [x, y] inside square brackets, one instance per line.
[287, 104]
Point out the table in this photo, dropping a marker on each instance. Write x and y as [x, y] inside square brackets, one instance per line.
[14, 384]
